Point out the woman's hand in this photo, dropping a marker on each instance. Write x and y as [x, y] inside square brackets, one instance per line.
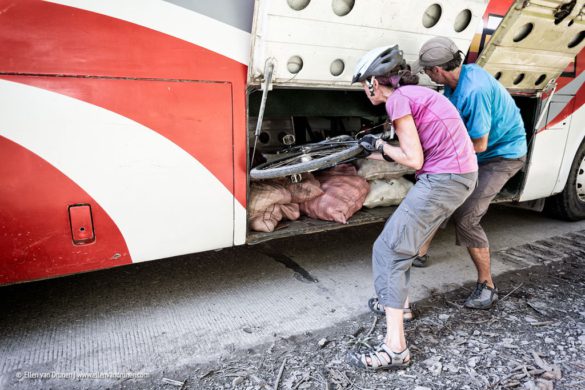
[409, 152]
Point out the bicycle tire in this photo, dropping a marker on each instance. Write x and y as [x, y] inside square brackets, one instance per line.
[263, 171]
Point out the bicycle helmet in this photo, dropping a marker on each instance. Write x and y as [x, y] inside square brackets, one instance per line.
[378, 62]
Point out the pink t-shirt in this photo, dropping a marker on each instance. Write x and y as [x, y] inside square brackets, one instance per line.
[446, 145]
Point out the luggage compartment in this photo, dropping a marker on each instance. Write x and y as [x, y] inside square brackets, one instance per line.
[311, 116]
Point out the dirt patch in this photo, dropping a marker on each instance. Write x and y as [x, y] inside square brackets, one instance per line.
[533, 339]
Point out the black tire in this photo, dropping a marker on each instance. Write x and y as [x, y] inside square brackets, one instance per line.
[570, 203]
[291, 163]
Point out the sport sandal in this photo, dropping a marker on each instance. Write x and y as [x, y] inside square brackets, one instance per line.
[378, 308]
[382, 358]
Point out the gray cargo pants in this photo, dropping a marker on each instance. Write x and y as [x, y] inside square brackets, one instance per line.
[433, 199]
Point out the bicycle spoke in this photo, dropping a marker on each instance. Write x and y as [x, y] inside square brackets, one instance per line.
[312, 155]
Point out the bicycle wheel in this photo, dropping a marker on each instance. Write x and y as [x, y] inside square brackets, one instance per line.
[309, 158]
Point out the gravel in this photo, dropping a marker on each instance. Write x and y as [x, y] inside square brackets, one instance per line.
[533, 339]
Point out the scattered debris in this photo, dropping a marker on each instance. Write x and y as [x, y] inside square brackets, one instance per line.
[238, 381]
[533, 339]
[173, 382]
[510, 293]
[372, 327]
[277, 380]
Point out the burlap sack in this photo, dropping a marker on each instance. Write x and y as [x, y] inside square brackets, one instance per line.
[265, 208]
[371, 169]
[387, 192]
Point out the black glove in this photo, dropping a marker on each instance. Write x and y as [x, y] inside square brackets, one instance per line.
[368, 142]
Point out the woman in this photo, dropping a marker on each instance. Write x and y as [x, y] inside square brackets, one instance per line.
[433, 140]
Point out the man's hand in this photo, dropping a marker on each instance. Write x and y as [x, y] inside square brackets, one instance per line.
[368, 142]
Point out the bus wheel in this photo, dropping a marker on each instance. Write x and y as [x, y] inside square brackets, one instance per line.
[570, 204]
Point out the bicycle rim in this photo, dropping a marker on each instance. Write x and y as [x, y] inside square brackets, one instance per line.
[306, 161]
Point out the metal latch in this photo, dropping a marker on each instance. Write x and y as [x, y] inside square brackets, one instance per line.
[81, 223]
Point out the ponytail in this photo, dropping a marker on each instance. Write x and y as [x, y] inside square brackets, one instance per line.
[407, 78]
[399, 76]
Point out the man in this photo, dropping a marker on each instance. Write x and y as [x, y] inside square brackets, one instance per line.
[497, 131]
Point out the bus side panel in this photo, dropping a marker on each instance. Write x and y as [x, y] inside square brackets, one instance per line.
[547, 153]
[65, 41]
[118, 141]
[575, 138]
[562, 128]
[35, 231]
[147, 128]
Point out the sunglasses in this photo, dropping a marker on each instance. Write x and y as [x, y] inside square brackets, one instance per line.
[370, 84]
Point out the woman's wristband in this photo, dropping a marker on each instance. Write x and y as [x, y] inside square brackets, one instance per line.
[380, 149]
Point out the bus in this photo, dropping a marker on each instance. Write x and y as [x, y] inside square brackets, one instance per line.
[126, 127]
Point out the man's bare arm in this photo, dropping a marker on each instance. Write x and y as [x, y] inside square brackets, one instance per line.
[480, 144]
[409, 152]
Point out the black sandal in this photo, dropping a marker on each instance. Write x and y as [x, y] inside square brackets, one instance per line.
[378, 308]
[382, 358]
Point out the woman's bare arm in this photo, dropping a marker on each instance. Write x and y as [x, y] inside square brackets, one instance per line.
[409, 152]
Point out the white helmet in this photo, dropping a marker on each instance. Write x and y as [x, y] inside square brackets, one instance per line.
[378, 62]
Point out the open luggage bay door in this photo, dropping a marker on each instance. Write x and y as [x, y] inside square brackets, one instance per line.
[318, 43]
[534, 43]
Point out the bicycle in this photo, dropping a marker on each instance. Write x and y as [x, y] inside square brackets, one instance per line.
[314, 156]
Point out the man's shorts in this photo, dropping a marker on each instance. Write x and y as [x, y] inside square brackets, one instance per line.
[492, 176]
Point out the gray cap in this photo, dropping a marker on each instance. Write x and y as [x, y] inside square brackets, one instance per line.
[436, 51]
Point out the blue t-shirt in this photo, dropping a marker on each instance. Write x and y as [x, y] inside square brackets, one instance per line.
[486, 107]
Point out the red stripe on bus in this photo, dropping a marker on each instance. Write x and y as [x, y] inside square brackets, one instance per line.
[195, 116]
[573, 105]
[43, 38]
[40, 37]
[35, 233]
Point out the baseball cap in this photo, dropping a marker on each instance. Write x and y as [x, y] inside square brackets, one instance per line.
[435, 51]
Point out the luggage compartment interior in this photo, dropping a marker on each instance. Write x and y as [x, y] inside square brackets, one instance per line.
[529, 110]
[307, 116]
[310, 116]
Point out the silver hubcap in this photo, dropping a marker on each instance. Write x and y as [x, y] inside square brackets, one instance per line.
[580, 182]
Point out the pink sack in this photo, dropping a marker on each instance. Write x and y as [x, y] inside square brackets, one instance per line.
[341, 169]
[309, 188]
[344, 195]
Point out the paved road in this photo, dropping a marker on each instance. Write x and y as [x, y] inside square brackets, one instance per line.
[153, 318]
